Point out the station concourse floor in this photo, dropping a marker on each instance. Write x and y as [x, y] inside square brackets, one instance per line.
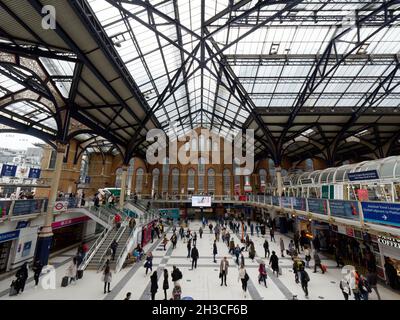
[202, 283]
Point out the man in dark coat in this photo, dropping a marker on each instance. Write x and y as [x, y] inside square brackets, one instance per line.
[195, 256]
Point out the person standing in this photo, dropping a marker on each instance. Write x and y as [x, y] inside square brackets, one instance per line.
[194, 238]
[345, 287]
[274, 263]
[165, 283]
[317, 262]
[307, 256]
[252, 229]
[296, 239]
[252, 251]
[195, 256]
[149, 262]
[266, 248]
[282, 246]
[37, 269]
[107, 277]
[154, 285]
[373, 282]
[189, 247]
[215, 251]
[304, 279]
[391, 274]
[114, 246]
[117, 221]
[132, 224]
[176, 275]
[244, 278]
[72, 270]
[164, 242]
[22, 276]
[258, 229]
[272, 234]
[174, 240]
[201, 232]
[128, 296]
[223, 270]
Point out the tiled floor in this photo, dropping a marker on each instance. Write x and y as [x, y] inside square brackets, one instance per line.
[201, 283]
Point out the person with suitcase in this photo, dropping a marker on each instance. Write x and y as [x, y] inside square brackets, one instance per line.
[22, 276]
[72, 270]
[317, 262]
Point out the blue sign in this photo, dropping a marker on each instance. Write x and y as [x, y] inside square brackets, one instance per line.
[382, 212]
[365, 175]
[34, 173]
[22, 224]
[344, 209]
[286, 202]
[299, 204]
[276, 201]
[9, 236]
[8, 170]
[317, 206]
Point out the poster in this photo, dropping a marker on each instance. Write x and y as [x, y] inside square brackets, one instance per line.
[8, 170]
[344, 209]
[317, 206]
[382, 212]
[299, 204]
[34, 173]
[365, 175]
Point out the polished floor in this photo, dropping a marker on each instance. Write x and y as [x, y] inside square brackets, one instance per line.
[200, 283]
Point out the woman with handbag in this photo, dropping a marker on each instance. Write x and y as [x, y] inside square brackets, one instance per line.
[165, 283]
[244, 277]
[262, 276]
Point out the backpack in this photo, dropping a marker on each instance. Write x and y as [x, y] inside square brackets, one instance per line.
[179, 274]
[246, 277]
[306, 276]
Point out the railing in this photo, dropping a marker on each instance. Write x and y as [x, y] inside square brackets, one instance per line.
[93, 249]
[130, 242]
[102, 214]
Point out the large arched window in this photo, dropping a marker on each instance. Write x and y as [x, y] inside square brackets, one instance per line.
[227, 181]
[271, 171]
[139, 180]
[211, 180]
[165, 175]
[201, 174]
[118, 177]
[156, 177]
[84, 167]
[190, 184]
[175, 179]
[130, 175]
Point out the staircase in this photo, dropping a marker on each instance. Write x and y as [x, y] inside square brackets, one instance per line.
[101, 215]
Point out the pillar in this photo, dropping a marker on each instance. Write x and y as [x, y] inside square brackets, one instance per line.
[123, 186]
[46, 233]
[279, 180]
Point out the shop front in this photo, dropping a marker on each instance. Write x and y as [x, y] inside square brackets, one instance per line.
[6, 244]
[390, 258]
[320, 231]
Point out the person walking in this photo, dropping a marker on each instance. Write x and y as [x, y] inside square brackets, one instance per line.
[252, 229]
[304, 279]
[252, 251]
[72, 270]
[307, 256]
[364, 287]
[282, 246]
[244, 278]
[195, 256]
[201, 232]
[174, 240]
[149, 262]
[258, 229]
[154, 285]
[266, 248]
[237, 254]
[189, 247]
[114, 246]
[262, 274]
[232, 246]
[373, 282]
[107, 277]
[22, 276]
[296, 239]
[223, 270]
[274, 263]
[37, 270]
[345, 287]
[165, 283]
[194, 238]
[317, 262]
[215, 251]
[164, 242]
[272, 234]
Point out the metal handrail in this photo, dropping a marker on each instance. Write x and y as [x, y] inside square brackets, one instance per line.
[125, 248]
[93, 249]
[118, 236]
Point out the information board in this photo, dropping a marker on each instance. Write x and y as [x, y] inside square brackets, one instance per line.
[8, 170]
[201, 201]
[299, 204]
[317, 206]
[34, 173]
[365, 175]
[382, 212]
[344, 209]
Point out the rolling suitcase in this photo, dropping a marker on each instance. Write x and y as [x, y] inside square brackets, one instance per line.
[64, 282]
[80, 274]
[323, 267]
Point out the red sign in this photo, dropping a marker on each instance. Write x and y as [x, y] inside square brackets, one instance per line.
[350, 232]
[362, 194]
[69, 222]
[146, 233]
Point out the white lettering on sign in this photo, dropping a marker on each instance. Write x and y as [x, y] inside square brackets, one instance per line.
[391, 242]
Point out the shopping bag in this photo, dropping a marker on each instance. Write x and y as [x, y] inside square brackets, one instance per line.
[64, 282]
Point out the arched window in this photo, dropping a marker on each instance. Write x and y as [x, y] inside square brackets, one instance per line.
[165, 174]
[202, 172]
[118, 177]
[211, 180]
[190, 184]
[175, 179]
[263, 176]
[187, 146]
[139, 180]
[271, 171]
[84, 167]
[202, 143]
[156, 176]
[227, 181]
[309, 165]
[209, 144]
[215, 146]
[130, 175]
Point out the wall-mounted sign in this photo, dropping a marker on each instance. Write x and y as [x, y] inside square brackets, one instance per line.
[365, 175]
[389, 241]
[286, 183]
[60, 206]
[307, 181]
[69, 222]
[34, 173]
[9, 235]
[344, 209]
[382, 212]
[317, 206]
[299, 204]
[22, 224]
[8, 170]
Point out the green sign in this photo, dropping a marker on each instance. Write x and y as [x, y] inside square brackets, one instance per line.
[172, 213]
[328, 192]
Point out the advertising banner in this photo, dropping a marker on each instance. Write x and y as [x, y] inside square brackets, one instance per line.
[7, 236]
[286, 202]
[172, 213]
[299, 204]
[382, 212]
[34, 173]
[8, 170]
[201, 201]
[365, 175]
[317, 206]
[276, 201]
[30, 206]
[5, 208]
[344, 209]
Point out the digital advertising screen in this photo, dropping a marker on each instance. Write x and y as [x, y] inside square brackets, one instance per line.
[201, 201]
